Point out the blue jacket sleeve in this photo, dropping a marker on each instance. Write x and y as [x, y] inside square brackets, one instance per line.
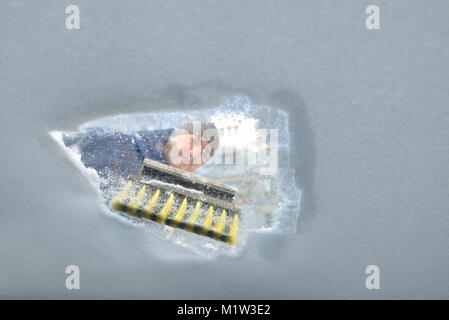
[150, 143]
[117, 153]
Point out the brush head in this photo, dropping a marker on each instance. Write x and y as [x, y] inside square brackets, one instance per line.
[182, 200]
[164, 173]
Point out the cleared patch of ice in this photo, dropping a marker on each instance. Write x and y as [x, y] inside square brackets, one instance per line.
[269, 203]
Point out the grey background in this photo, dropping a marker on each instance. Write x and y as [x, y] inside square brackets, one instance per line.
[369, 121]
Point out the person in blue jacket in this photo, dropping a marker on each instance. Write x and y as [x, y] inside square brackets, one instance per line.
[117, 153]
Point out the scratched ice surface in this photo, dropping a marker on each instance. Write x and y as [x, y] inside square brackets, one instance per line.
[267, 195]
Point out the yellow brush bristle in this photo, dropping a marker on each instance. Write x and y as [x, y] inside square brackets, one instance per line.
[194, 216]
[118, 200]
[180, 214]
[134, 203]
[149, 207]
[208, 219]
[234, 229]
[165, 209]
[221, 224]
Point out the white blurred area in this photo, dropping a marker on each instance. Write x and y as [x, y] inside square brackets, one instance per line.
[237, 131]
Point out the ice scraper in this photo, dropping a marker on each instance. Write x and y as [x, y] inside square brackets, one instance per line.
[180, 199]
